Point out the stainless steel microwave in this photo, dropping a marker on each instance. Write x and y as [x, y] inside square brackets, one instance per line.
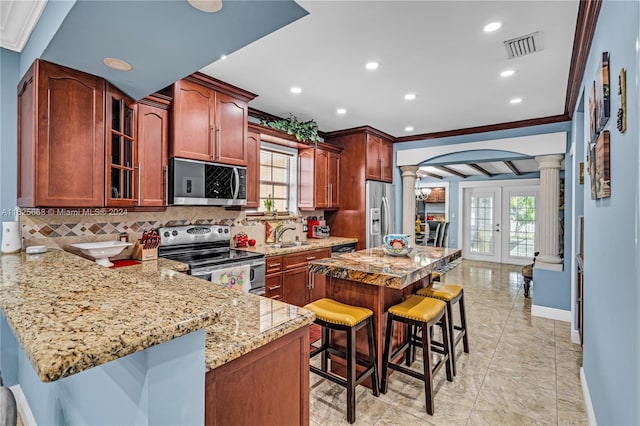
[199, 183]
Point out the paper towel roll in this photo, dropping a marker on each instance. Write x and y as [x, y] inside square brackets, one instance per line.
[11, 237]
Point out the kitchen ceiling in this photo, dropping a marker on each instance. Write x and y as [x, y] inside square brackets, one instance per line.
[436, 50]
[486, 168]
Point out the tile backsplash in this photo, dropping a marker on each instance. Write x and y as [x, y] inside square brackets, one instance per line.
[62, 227]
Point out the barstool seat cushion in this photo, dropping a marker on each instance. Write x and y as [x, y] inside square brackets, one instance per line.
[334, 312]
[446, 292]
[527, 271]
[418, 308]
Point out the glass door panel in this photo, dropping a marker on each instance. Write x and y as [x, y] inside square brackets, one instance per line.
[121, 173]
[520, 241]
[482, 224]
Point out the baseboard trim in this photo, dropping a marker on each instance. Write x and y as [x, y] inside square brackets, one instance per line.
[575, 337]
[551, 313]
[588, 407]
[24, 411]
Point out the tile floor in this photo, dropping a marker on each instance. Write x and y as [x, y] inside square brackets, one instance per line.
[521, 370]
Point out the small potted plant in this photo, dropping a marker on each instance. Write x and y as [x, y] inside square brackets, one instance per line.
[268, 203]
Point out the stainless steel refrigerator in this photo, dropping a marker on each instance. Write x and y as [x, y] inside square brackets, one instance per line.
[380, 211]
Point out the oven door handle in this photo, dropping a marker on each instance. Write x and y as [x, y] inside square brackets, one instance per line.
[236, 188]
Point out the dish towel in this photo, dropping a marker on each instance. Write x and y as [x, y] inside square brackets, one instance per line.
[237, 277]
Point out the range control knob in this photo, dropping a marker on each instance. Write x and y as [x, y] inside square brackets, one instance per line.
[166, 234]
[219, 230]
[226, 230]
[174, 233]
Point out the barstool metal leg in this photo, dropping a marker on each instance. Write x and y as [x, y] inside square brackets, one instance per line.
[451, 341]
[325, 343]
[463, 324]
[446, 337]
[428, 368]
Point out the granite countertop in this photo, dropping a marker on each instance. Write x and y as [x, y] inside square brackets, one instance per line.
[372, 266]
[70, 314]
[310, 244]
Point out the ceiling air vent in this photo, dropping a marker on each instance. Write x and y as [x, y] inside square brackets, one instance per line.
[523, 45]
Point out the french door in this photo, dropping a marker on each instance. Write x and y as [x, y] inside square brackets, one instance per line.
[499, 224]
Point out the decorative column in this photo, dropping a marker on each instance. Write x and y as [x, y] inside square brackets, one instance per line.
[548, 214]
[409, 202]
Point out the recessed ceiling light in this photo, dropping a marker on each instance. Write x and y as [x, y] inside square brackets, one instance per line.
[296, 90]
[117, 64]
[515, 101]
[492, 26]
[341, 111]
[507, 73]
[408, 129]
[223, 57]
[209, 6]
[409, 96]
[372, 65]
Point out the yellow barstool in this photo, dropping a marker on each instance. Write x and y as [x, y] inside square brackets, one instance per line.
[334, 315]
[423, 313]
[451, 294]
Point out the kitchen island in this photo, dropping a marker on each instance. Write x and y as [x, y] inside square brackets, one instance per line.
[133, 345]
[372, 279]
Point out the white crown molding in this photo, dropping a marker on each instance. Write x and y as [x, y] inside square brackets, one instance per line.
[18, 18]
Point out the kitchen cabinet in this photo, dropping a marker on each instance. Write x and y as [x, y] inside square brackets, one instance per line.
[153, 147]
[61, 137]
[253, 169]
[437, 195]
[319, 179]
[366, 155]
[288, 278]
[121, 167]
[209, 121]
[379, 159]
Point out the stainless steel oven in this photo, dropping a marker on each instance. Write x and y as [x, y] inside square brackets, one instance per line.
[206, 249]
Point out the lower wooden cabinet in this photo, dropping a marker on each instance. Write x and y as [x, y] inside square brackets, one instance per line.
[288, 277]
[269, 386]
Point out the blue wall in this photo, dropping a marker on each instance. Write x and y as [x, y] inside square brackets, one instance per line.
[611, 354]
[9, 73]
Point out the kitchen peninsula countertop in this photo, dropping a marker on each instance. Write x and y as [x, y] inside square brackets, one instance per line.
[70, 314]
[373, 266]
[309, 244]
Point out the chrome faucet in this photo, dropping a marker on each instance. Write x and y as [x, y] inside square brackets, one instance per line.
[281, 229]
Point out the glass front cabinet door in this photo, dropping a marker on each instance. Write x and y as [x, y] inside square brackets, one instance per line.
[121, 140]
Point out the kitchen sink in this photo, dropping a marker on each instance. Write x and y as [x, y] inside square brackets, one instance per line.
[288, 244]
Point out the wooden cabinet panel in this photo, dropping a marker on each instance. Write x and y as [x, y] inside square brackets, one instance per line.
[269, 386]
[193, 121]
[296, 282]
[153, 144]
[208, 125]
[61, 147]
[333, 178]
[379, 158]
[273, 286]
[437, 195]
[318, 179]
[318, 287]
[253, 169]
[230, 130]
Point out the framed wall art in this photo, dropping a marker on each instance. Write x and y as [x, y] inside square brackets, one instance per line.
[602, 177]
[599, 98]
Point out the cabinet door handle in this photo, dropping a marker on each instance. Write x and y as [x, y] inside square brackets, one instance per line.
[273, 265]
[213, 142]
[330, 195]
[381, 168]
[275, 287]
[311, 257]
[166, 186]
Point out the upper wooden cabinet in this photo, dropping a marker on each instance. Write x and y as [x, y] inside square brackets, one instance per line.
[379, 158]
[253, 169]
[61, 137]
[153, 149]
[319, 179]
[437, 195]
[121, 141]
[209, 121]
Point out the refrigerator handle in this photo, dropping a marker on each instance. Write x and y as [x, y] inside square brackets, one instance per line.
[385, 204]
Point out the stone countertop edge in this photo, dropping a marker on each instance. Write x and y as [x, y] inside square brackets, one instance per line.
[70, 314]
[312, 244]
[372, 266]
